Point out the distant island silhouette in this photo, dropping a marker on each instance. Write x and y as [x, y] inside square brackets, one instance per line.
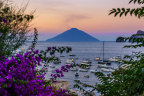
[73, 35]
[139, 34]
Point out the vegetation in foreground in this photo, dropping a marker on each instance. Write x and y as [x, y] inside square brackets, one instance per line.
[128, 81]
[19, 75]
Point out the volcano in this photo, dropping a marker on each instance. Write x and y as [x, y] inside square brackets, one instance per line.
[73, 35]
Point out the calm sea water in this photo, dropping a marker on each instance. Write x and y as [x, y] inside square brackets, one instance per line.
[84, 50]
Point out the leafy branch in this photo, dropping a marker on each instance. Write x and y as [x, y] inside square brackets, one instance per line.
[34, 42]
[80, 86]
[138, 12]
[137, 1]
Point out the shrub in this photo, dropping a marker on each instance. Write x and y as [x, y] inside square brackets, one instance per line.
[18, 77]
[14, 26]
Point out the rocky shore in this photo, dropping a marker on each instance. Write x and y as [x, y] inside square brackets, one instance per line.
[64, 85]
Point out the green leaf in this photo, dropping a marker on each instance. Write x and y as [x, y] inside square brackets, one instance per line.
[121, 14]
[14, 80]
[5, 86]
[132, 11]
[112, 11]
[139, 1]
[118, 9]
[141, 13]
[128, 10]
[142, 70]
[136, 11]
[123, 9]
[135, 1]
[130, 1]
[116, 14]
[99, 74]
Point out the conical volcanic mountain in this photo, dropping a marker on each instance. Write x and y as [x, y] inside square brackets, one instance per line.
[73, 35]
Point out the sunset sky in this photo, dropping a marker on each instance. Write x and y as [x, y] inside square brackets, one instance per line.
[55, 16]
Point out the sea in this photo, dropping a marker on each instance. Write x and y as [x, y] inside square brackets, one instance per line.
[82, 51]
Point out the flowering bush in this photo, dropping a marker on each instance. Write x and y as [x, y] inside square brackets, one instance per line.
[18, 74]
[59, 73]
[18, 77]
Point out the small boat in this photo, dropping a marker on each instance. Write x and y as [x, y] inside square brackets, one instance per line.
[87, 76]
[72, 55]
[125, 59]
[101, 62]
[105, 70]
[57, 62]
[87, 67]
[111, 70]
[73, 69]
[93, 71]
[51, 66]
[97, 58]
[62, 56]
[76, 74]
[86, 64]
[70, 61]
[102, 66]
[115, 59]
[124, 66]
[105, 62]
[118, 57]
[112, 59]
[108, 63]
[83, 70]
[87, 61]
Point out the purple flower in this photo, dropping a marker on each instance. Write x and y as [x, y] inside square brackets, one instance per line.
[49, 48]
[67, 66]
[58, 75]
[27, 53]
[62, 75]
[57, 70]
[2, 80]
[20, 74]
[4, 20]
[36, 52]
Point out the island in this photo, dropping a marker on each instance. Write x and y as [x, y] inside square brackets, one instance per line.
[73, 35]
